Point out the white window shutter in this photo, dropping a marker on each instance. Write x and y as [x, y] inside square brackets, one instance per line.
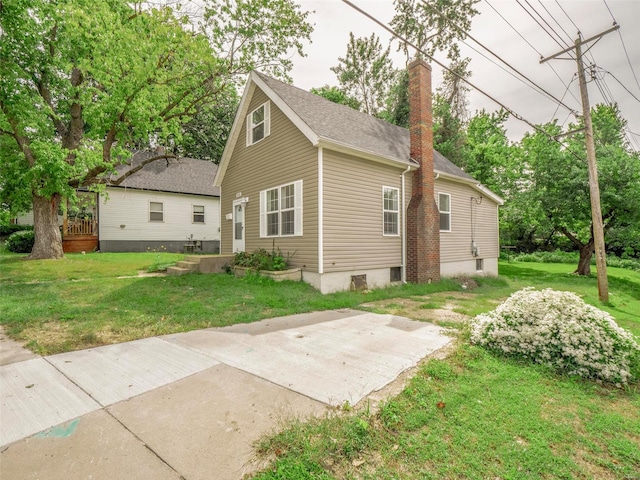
[298, 208]
[267, 119]
[263, 213]
[249, 130]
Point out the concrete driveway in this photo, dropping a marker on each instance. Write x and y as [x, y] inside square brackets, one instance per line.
[191, 405]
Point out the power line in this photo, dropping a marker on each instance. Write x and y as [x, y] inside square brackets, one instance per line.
[540, 90]
[567, 15]
[532, 47]
[621, 84]
[624, 47]
[539, 24]
[440, 64]
[556, 21]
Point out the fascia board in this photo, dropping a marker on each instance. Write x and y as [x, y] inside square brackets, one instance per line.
[471, 182]
[342, 148]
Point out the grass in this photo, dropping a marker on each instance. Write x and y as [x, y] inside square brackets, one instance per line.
[79, 302]
[471, 415]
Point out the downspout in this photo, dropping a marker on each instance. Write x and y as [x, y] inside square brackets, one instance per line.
[320, 212]
[404, 228]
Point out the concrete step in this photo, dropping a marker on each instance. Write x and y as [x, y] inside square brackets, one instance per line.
[177, 271]
[191, 266]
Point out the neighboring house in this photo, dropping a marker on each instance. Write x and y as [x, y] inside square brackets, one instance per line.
[168, 205]
[330, 187]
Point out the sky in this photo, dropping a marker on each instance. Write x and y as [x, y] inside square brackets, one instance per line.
[333, 20]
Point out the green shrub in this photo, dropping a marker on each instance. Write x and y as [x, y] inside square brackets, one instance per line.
[6, 230]
[561, 331]
[261, 259]
[21, 242]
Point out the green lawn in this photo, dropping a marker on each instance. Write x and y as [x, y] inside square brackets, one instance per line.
[471, 415]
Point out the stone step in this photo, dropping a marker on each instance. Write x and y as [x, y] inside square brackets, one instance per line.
[177, 271]
[191, 266]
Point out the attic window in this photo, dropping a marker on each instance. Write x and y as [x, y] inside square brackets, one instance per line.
[258, 124]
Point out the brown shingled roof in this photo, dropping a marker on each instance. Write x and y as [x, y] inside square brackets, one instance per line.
[355, 129]
[176, 175]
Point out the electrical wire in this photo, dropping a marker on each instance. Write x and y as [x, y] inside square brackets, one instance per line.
[531, 84]
[509, 110]
[539, 24]
[532, 47]
[621, 84]
[555, 20]
[624, 47]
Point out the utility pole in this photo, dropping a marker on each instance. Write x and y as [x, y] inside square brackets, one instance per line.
[594, 188]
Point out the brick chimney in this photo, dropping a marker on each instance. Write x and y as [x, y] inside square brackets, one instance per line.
[423, 218]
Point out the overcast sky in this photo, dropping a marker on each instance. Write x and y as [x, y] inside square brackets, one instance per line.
[334, 20]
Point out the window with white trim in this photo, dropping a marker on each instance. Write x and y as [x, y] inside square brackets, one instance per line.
[198, 214]
[444, 207]
[281, 210]
[156, 212]
[259, 124]
[390, 211]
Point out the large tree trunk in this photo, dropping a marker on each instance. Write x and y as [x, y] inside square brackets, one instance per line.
[584, 264]
[48, 242]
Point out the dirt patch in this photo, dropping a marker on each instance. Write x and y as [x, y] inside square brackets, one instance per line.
[436, 308]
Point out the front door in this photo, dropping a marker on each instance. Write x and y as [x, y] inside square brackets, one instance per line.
[238, 227]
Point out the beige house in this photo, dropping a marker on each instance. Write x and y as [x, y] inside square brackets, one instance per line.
[331, 188]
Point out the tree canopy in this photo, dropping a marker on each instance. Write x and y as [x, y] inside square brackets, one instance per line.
[85, 81]
[366, 72]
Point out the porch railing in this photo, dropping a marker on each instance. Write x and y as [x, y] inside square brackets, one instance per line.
[79, 226]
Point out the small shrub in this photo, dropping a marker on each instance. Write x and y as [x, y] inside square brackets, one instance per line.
[261, 259]
[21, 242]
[559, 330]
[6, 230]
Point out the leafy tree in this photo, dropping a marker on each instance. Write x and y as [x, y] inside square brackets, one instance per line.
[487, 154]
[397, 102]
[85, 80]
[336, 95]
[560, 181]
[366, 72]
[433, 25]
[205, 135]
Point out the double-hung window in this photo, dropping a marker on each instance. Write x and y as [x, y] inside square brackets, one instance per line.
[156, 212]
[198, 214]
[390, 211]
[281, 210]
[258, 124]
[444, 206]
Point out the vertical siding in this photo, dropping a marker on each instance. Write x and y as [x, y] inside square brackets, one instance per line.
[456, 245]
[353, 236]
[129, 207]
[285, 156]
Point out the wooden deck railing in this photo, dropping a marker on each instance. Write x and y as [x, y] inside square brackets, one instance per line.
[79, 226]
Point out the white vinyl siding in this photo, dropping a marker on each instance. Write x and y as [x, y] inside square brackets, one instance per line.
[281, 211]
[390, 211]
[198, 214]
[259, 124]
[444, 206]
[124, 215]
[156, 212]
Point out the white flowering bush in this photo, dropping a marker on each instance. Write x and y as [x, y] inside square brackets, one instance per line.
[560, 330]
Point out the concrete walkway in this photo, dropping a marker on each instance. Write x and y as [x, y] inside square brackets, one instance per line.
[191, 405]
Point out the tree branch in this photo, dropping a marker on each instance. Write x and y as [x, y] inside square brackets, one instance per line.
[139, 167]
[22, 141]
[571, 237]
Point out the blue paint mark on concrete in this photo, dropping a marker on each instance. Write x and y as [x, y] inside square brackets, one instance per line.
[60, 431]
